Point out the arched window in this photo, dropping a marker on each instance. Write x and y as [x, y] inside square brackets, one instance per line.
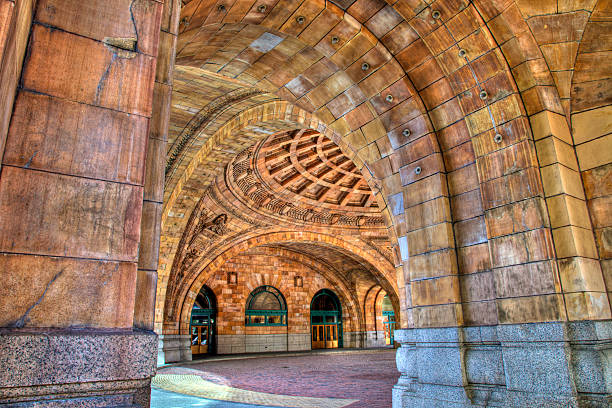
[266, 306]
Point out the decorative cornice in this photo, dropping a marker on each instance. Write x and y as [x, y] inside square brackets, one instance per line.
[201, 119]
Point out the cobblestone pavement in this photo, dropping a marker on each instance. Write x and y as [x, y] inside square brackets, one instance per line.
[367, 376]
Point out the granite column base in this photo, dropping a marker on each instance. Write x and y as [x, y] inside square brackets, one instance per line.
[174, 348]
[76, 368]
[524, 365]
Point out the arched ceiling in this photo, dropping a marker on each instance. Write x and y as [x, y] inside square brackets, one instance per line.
[415, 93]
[302, 176]
[307, 164]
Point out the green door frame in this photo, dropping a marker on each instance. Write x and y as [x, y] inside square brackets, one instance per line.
[324, 313]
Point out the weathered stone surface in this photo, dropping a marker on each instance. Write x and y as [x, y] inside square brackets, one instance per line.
[73, 363]
[69, 216]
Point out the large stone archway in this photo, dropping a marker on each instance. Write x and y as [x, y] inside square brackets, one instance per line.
[501, 241]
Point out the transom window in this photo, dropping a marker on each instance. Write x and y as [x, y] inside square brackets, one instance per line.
[266, 306]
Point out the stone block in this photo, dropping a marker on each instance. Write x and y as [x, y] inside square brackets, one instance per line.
[533, 369]
[76, 357]
[567, 210]
[144, 301]
[46, 132]
[138, 21]
[435, 291]
[573, 241]
[591, 124]
[552, 150]
[581, 274]
[150, 230]
[558, 179]
[484, 365]
[526, 280]
[547, 123]
[530, 246]
[600, 210]
[587, 306]
[477, 287]
[430, 212]
[597, 181]
[466, 205]
[530, 309]
[479, 313]
[69, 216]
[475, 258]
[424, 190]
[88, 71]
[595, 153]
[470, 232]
[439, 236]
[174, 348]
[154, 171]
[437, 315]
[513, 187]
[510, 365]
[439, 365]
[434, 264]
[516, 217]
[64, 292]
[506, 161]
[463, 180]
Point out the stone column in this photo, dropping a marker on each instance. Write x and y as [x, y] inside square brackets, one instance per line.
[71, 204]
[522, 365]
[174, 348]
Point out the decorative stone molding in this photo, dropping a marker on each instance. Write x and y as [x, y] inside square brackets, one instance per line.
[251, 177]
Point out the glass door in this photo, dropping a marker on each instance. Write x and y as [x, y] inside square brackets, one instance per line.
[203, 339]
[318, 337]
[331, 336]
[389, 326]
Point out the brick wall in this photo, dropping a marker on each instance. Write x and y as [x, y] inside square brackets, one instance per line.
[273, 267]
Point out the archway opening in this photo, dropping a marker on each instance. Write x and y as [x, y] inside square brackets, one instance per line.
[388, 316]
[326, 320]
[202, 324]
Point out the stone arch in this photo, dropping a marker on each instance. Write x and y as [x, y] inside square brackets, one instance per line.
[273, 112]
[185, 297]
[448, 89]
[368, 307]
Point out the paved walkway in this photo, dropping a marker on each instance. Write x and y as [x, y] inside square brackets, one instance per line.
[167, 399]
[355, 379]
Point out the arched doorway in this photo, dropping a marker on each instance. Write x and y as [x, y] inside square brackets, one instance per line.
[388, 320]
[202, 323]
[326, 320]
